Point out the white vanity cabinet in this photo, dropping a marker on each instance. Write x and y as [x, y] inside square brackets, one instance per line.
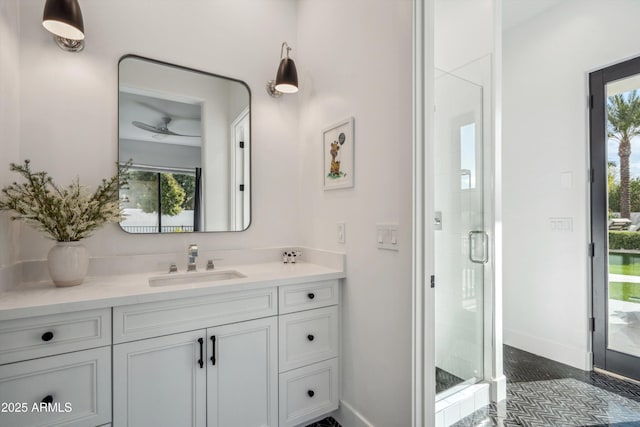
[259, 355]
[216, 376]
[308, 351]
[278, 369]
[56, 370]
[222, 376]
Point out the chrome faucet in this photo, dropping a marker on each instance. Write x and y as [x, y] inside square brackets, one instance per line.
[193, 253]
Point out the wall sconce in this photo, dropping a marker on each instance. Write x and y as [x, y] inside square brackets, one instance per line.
[63, 18]
[287, 77]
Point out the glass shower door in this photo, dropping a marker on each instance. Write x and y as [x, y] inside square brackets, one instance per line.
[461, 244]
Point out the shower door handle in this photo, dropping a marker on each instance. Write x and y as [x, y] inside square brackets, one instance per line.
[485, 246]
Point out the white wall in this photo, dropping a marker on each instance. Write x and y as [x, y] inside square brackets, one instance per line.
[546, 62]
[9, 119]
[463, 32]
[354, 59]
[69, 104]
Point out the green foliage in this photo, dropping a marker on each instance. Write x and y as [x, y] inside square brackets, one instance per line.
[634, 195]
[144, 194]
[623, 116]
[624, 240]
[172, 195]
[66, 214]
[612, 173]
[188, 184]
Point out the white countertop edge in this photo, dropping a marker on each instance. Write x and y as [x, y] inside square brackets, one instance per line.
[30, 271]
[39, 299]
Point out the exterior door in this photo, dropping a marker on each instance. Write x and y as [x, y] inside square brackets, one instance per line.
[159, 382]
[615, 216]
[242, 374]
[461, 243]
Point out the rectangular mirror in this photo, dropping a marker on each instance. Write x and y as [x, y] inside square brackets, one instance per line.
[188, 136]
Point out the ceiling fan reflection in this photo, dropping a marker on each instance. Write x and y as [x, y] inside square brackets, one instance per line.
[162, 130]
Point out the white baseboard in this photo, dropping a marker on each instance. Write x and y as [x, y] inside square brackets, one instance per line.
[573, 356]
[589, 361]
[347, 416]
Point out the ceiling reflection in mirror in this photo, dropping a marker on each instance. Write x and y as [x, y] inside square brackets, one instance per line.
[187, 135]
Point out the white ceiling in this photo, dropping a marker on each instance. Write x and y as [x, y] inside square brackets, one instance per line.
[185, 119]
[516, 12]
[623, 85]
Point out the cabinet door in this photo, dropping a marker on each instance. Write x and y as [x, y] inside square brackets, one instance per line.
[159, 382]
[242, 374]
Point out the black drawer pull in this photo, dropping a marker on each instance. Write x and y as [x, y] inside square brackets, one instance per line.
[213, 350]
[311, 393]
[47, 336]
[201, 362]
[310, 337]
[311, 295]
[47, 399]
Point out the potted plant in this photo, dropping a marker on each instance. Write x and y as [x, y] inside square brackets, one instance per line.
[66, 214]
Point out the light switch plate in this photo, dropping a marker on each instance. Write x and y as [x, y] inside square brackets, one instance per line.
[341, 229]
[561, 224]
[387, 236]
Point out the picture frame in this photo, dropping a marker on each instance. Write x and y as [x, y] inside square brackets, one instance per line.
[338, 155]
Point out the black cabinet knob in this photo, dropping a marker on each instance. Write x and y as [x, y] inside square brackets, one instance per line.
[311, 295]
[310, 337]
[47, 336]
[47, 399]
[311, 393]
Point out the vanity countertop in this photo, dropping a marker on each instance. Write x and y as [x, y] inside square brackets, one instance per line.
[43, 298]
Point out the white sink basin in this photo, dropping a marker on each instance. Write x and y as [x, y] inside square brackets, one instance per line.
[194, 278]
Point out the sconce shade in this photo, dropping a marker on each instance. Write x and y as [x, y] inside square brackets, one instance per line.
[287, 77]
[64, 19]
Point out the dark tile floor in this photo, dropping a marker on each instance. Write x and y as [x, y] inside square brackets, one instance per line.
[544, 393]
[327, 422]
[445, 380]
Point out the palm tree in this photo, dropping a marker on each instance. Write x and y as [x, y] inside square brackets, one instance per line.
[623, 116]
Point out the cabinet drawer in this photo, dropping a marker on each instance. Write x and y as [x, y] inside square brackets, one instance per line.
[308, 295]
[308, 392]
[23, 339]
[78, 385]
[308, 337]
[139, 321]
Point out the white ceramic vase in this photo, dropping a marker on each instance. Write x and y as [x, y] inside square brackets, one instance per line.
[68, 263]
